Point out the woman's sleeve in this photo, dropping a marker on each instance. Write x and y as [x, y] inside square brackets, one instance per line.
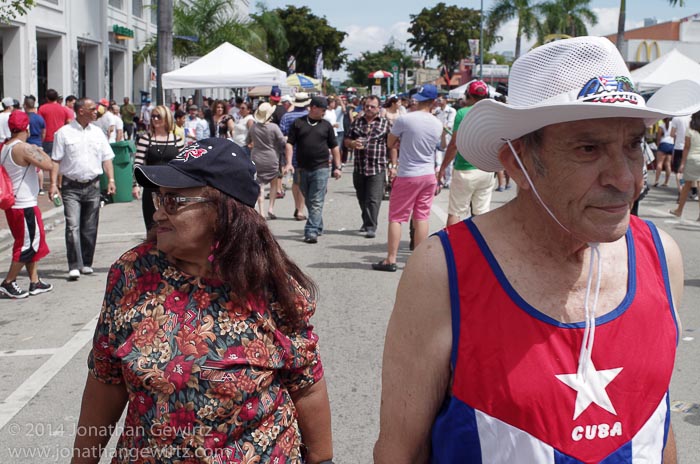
[103, 362]
[179, 142]
[141, 147]
[303, 366]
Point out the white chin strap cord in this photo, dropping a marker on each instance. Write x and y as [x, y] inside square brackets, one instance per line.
[586, 350]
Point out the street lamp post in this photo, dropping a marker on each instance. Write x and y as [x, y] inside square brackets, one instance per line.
[481, 42]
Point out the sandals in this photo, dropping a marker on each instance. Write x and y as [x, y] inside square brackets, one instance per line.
[299, 217]
[271, 216]
[384, 266]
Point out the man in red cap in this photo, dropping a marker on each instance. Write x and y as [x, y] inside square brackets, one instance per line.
[20, 159]
[470, 188]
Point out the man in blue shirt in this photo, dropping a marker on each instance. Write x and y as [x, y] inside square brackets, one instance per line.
[301, 103]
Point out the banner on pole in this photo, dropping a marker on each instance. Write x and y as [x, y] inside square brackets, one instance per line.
[319, 63]
[291, 64]
[474, 47]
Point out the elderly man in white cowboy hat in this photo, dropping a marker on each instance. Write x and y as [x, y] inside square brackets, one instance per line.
[543, 331]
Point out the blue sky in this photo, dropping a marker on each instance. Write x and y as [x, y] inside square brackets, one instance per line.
[371, 23]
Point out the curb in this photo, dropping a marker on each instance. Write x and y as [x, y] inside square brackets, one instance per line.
[50, 224]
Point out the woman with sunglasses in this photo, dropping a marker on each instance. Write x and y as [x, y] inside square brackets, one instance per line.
[155, 147]
[205, 330]
[223, 122]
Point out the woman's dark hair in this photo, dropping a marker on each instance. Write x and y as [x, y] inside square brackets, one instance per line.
[250, 260]
[695, 121]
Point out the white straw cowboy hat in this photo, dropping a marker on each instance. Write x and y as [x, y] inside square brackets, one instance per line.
[264, 113]
[301, 99]
[567, 80]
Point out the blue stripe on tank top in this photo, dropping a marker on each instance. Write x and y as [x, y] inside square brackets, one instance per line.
[454, 294]
[664, 270]
[623, 455]
[455, 435]
[667, 425]
[534, 312]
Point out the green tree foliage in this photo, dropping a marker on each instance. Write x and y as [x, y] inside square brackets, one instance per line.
[306, 32]
[359, 68]
[212, 22]
[567, 17]
[10, 9]
[528, 22]
[269, 26]
[442, 31]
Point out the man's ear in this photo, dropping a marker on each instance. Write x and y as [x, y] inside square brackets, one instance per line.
[510, 164]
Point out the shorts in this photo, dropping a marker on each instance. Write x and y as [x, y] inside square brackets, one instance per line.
[412, 195]
[676, 161]
[27, 229]
[666, 148]
[471, 187]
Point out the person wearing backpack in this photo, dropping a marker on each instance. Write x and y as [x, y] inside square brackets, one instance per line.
[19, 159]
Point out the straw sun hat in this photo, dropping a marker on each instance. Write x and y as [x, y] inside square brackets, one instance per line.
[567, 80]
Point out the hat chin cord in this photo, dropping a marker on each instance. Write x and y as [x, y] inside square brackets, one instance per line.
[595, 265]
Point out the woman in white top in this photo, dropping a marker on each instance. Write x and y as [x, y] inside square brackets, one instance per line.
[690, 163]
[243, 125]
[664, 153]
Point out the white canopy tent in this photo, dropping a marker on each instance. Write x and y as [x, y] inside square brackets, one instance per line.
[458, 92]
[226, 66]
[671, 67]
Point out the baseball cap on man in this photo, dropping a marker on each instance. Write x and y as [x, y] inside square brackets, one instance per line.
[478, 88]
[319, 102]
[18, 122]
[217, 162]
[7, 102]
[424, 93]
[275, 94]
[591, 81]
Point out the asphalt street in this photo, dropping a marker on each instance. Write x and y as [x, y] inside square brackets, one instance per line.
[45, 339]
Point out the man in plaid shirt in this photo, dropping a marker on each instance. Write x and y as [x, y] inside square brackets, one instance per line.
[368, 136]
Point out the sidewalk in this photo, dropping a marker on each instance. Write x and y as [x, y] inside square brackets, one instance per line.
[51, 215]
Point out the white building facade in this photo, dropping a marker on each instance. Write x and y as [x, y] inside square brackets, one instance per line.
[81, 47]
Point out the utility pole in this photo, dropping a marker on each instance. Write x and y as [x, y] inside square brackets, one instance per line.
[165, 48]
[481, 42]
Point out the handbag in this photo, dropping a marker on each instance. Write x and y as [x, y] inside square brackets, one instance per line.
[7, 191]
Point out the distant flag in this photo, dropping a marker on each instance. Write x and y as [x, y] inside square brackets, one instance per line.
[291, 64]
[319, 63]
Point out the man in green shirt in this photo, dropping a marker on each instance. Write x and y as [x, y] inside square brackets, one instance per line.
[470, 188]
[128, 111]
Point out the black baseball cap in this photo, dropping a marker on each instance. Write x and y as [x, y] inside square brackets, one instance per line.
[319, 102]
[217, 162]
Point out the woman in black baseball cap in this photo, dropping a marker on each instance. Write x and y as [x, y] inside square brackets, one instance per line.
[205, 328]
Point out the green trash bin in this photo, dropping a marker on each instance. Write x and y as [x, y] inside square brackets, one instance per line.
[122, 164]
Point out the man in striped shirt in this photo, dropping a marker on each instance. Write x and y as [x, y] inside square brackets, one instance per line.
[368, 136]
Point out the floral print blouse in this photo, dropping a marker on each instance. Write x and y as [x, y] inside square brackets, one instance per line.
[208, 380]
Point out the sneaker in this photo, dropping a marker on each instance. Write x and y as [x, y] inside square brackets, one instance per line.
[73, 274]
[42, 192]
[12, 290]
[499, 189]
[310, 239]
[87, 270]
[370, 233]
[39, 287]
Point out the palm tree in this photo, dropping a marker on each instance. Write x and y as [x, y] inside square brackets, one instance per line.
[505, 10]
[202, 26]
[621, 20]
[567, 17]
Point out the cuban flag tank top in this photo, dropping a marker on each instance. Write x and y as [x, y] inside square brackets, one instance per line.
[515, 397]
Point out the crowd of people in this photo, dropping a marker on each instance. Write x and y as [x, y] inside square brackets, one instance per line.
[205, 331]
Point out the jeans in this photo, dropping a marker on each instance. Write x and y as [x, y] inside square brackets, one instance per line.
[313, 186]
[82, 210]
[370, 192]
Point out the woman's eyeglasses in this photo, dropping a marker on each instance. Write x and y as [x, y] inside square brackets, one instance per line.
[171, 202]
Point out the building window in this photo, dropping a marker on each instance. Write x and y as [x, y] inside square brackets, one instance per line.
[118, 4]
[154, 12]
[137, 8]
[55, 2]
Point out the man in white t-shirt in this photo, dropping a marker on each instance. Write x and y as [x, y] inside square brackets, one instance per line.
[118, 124]
[413, 189]
[679, 125]
[7, 108]
[446, 115]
